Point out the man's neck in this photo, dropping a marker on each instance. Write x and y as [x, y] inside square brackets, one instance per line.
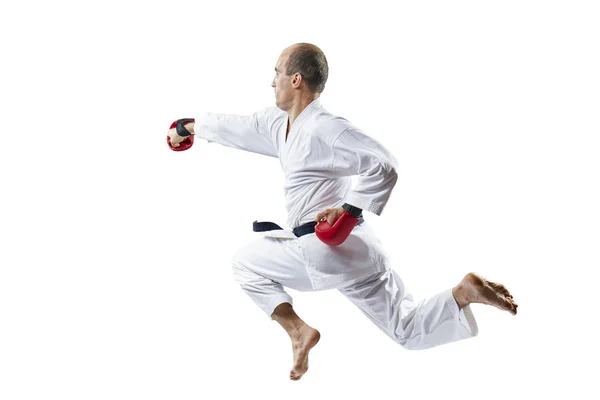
[299, 106]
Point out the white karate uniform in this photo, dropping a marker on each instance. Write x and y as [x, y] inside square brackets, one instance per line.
[321, 155]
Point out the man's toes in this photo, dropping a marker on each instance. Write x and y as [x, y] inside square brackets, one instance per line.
[511, 306]
[498, 287]
[502, 302]
[294, 376]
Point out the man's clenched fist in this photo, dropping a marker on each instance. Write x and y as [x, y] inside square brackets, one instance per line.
[181, 134]
[330, 215]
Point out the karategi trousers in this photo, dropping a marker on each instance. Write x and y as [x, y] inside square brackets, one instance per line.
[265, 266]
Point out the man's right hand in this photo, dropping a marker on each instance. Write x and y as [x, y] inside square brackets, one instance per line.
[181, 134]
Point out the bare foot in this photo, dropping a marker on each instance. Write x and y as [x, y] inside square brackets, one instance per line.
[302, 341]
[476, 289]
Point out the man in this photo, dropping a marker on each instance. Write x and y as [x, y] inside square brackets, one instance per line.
[319, 153]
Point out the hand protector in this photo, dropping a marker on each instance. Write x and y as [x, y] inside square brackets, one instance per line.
[179, 134]
[339, 232]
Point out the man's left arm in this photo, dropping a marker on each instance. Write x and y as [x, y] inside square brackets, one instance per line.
[355, 153]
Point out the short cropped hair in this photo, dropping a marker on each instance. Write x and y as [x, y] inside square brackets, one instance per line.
[310, 62]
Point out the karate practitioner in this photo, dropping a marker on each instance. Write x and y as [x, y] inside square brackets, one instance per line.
[319, 154]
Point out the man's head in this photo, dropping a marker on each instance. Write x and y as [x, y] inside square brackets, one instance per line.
[301, 72]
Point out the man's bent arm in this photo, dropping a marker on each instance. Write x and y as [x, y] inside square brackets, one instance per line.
[358, 154]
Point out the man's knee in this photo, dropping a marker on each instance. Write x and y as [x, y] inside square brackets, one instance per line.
[244, 255]
[240, 274]
[237, 266]
[242, 267]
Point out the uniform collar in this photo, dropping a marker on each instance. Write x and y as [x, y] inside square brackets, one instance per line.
[308, 110]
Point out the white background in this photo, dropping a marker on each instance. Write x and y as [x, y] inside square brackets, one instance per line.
[115, 280]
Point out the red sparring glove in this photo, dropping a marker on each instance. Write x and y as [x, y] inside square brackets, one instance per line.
[178, 129]
[339, 232]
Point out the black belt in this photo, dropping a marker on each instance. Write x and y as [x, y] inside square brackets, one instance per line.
[301, 230]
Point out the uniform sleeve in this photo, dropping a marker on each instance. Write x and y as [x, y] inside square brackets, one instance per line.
[355, 153]
[244, 132]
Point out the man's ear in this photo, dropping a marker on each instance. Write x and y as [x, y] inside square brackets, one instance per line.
[296, 80]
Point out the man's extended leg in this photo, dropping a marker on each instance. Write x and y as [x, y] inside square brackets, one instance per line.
[440, 319]
[261, 269]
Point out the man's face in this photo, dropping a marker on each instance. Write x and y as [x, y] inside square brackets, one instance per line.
[282, 84]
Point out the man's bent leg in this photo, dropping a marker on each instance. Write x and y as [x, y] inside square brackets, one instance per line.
[261, 269]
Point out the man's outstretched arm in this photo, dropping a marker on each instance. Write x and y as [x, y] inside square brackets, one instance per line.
[243, 132]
